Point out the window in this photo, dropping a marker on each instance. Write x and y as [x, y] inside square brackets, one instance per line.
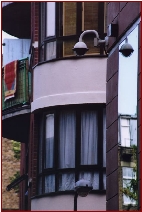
[125, 132]
[63, 22]
[128, 131]
[128, 175]
[71, 147]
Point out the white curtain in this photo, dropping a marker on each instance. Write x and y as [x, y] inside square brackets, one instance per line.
[41, 143]
[104, 138]
[49, 183]
[133, 131]
[89, 138]
[66, 182]
[93, 177]
[49, 141]
[67, 140]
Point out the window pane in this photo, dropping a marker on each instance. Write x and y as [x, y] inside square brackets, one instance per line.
[66, 181]
[49, 183]
[104, 181]
[90, 22]
[51, 50]
[93, 177]
[133, 131]
[104, 138]
[127, 200]
[50, 19]
[125, 132]
[49, 141]
[40, 186]
[90, 16]
[89, 138]
[42, 53]
[67, 48]
[69, 18]
[128, 173]
[42, 22]
[40, 144]
[67, 134]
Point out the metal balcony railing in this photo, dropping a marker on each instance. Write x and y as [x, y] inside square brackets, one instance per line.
[23, 90]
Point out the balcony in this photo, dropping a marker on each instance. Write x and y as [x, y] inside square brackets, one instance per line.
[23, 89]
[16, 110]
[16, 18]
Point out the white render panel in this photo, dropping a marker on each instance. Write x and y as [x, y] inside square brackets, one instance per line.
[71, 81]
[66, 202]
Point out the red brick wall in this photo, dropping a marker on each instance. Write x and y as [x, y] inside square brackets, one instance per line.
[33, 129]
[116, 14]
[35, 27]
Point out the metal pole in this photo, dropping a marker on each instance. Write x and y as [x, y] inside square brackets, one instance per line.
[75, 201]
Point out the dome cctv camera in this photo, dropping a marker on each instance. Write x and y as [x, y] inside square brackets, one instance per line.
[80, 48]
[126, 49]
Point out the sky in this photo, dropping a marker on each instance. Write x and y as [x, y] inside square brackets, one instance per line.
[5, 35]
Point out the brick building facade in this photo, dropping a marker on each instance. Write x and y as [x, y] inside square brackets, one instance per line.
[65, 87]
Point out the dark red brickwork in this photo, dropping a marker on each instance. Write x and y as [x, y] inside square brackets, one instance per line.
[35, 27]
[33, 136]
[116, 14]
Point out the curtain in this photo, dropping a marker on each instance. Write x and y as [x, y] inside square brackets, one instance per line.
[67, 134]
[66, 181]
[51, 50]
[49, 141]
[133, 131]
[104, 138]
[89, 138]
[125, 132]
[50, 183]
[40, 144]
[104, 181]
[93, 177]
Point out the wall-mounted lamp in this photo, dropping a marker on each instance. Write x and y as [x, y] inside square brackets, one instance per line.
[126, 49]
[82, 188]
[80, 48]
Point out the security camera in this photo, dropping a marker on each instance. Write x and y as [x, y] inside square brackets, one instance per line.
[126, 49]
[80, 48]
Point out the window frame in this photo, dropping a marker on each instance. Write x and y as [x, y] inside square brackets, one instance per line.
[78, 167]
[59, 38]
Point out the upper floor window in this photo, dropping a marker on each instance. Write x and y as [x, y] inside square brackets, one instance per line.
[128, 175]
[128, 131]
[72, 147]
[63, 22]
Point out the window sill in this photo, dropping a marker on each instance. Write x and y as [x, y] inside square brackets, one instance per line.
[66, 193]
[71, 58]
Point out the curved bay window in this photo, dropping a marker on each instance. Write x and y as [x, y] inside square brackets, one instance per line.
[63, 22]
[72, 147]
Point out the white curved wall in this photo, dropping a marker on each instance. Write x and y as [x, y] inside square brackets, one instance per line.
[92, 202]
[69, 82]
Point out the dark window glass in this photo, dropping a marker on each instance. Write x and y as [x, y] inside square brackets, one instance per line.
[72, 147]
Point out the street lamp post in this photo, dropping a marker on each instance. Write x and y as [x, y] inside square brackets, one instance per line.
[82, 188]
